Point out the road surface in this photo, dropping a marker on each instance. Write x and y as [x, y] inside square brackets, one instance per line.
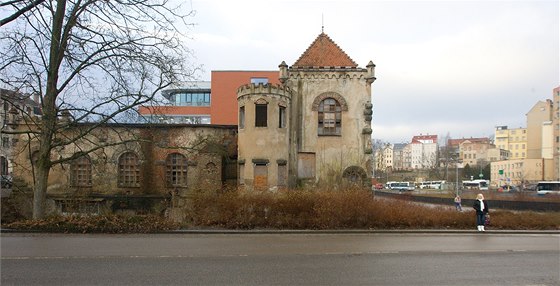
[281, 259]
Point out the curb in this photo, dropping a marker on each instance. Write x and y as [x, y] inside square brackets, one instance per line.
[334, 232]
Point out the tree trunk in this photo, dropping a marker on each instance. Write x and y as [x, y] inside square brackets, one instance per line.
[40, 192]
[49, 119]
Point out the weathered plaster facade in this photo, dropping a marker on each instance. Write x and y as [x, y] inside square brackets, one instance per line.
[163, 161]
[328, 134]
[263, 150]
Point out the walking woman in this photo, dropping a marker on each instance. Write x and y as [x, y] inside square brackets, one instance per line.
[481, 208]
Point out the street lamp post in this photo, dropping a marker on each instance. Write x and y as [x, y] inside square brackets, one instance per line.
[457, 162]
[457, 178]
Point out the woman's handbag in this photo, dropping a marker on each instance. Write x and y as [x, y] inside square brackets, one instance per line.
[487, 219]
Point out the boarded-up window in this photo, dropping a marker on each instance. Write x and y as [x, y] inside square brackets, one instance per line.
[241, 117]
[260, 179]
[330, 117]
[129, 170]
[3, 166]
[306, 165]
[260, 115]
[80, 172]
[282, 117]
[241, 175]
[282, 175]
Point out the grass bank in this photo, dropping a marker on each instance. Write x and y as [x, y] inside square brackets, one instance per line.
[302, 209]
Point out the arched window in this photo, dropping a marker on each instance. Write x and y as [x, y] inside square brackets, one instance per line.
[129, 170]
[330, 115]
[176, 173]
[80, 172]
[211, 169]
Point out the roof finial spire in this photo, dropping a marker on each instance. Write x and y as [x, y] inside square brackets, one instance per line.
[322, 24]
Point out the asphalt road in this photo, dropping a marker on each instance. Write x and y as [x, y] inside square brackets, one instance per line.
[281, 259]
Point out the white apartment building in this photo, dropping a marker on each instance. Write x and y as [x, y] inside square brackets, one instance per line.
[423, 151]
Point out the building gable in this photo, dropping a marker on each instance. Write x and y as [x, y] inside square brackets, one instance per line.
[324, 52]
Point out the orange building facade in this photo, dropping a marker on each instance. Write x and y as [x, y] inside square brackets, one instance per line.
[218, 107]
[223, 109]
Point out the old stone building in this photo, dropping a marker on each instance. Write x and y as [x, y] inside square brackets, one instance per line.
[134, 166]
[314, 127]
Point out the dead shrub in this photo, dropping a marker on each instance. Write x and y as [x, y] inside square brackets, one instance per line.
[342, 209]
[97, 224]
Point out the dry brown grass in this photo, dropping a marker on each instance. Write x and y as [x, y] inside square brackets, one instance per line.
[347, 209]
[97, 224]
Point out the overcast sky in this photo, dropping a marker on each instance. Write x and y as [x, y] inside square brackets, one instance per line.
[443, 67]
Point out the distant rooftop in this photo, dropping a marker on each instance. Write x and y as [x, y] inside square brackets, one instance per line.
[457, 142]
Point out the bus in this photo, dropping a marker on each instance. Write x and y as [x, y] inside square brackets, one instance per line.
[548, 187]
[431, 185]
[400, 186]
[481, 185]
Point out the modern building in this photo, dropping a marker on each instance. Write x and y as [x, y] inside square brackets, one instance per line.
[187, 105]
[206, 102]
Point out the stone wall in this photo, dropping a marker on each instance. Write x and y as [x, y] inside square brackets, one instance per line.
[207, 150]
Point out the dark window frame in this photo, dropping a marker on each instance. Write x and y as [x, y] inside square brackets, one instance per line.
[329, 115]
[281, 116]
[241, 117]
[81, 172]
[176, 167]
[261, 115]
[128, 170]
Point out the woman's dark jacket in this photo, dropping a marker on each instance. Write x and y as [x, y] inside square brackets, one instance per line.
[476, 206]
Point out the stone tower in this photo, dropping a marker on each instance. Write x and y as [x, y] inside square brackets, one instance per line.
[263, 138]
[315, 128]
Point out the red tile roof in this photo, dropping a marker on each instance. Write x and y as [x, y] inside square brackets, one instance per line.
[324, 52]
[425, 138]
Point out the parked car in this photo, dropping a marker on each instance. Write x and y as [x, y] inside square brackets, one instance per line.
[378, 186]
[530, 187]
[508, 189]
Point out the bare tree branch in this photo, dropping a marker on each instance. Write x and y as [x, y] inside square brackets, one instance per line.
[90, 61]
[18, 10]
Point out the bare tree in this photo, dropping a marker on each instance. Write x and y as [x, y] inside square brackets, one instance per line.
[92, 61]
[17, 8]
